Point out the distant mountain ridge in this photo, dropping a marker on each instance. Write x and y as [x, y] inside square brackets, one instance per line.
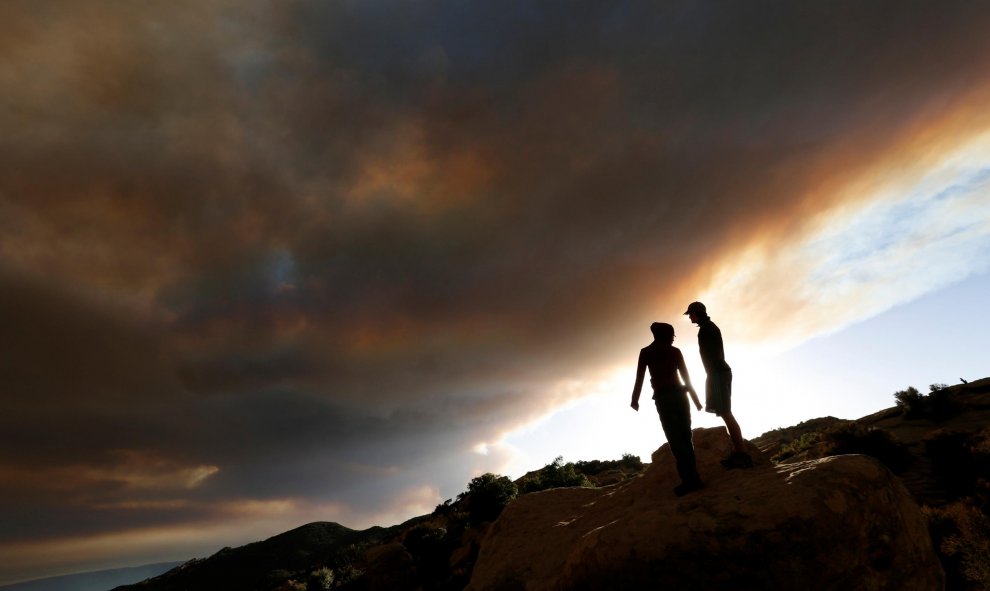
[943, 460]
[266, 563]
[94, 581]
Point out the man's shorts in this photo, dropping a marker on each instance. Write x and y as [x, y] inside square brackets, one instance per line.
[718, 392]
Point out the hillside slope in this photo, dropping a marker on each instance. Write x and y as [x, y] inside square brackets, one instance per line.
[940, 453]
[267, 564]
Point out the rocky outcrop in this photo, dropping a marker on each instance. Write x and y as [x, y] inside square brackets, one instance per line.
[841, 522]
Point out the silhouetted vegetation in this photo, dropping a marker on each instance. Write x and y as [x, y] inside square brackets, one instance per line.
[960, 529]
[839, 437]
[444, 508]
[556, 474]
[937, 405]
[438, 551]
[430, 548]
[321, 579]
[961, 534]
[910, 401]
[629, 462]
[787, 435]
[487, 495]
[788, 450]
[854, 438]
[953, 461]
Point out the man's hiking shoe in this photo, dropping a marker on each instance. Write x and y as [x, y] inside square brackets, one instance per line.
[688, 487]
[737, 460]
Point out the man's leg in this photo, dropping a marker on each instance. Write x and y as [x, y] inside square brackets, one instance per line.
[721, 390]
[739, 458]
[734, 431]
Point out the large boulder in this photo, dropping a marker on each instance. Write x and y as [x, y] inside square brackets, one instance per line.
[842, 522]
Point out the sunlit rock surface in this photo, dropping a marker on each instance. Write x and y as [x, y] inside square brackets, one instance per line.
[842, 522]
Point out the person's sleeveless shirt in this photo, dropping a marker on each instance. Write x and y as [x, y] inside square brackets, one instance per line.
[662, 362]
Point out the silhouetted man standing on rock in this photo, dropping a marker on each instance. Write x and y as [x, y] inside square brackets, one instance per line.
[718, 383]
[664, 361]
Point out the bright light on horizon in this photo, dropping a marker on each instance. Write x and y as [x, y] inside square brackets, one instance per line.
[853, 263]
[598, 425]
[857, 261]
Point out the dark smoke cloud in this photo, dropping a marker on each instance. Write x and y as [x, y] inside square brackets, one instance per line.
[326, 247]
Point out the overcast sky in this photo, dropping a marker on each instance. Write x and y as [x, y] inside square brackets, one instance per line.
[266, 263]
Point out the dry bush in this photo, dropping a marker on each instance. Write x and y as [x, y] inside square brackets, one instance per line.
[854, 438]
[792, 448]
[961, 534]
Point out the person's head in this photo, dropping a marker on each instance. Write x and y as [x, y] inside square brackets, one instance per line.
[696, 311]
[662, 332]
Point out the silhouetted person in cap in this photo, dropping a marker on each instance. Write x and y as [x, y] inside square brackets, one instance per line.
[718, 382]
[665, 361]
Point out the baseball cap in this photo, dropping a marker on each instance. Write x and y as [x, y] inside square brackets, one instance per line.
[696, 308]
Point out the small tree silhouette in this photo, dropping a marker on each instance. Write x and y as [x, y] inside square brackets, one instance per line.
[911, 402]
[937, 405]
[487, 495]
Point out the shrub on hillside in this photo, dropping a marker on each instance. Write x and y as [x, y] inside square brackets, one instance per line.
[788, 450]
[628, 463]
[556, 474]
[347, 575]
[423, 539]
[937, 405]
[953, 462]
[961, 535]
[854, 438]
[911, 402]
[430, 548]
[444, 508]
[487, 495]
[321, 579]
[631, 462]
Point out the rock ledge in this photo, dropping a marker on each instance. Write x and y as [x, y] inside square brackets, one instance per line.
[842, 522]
